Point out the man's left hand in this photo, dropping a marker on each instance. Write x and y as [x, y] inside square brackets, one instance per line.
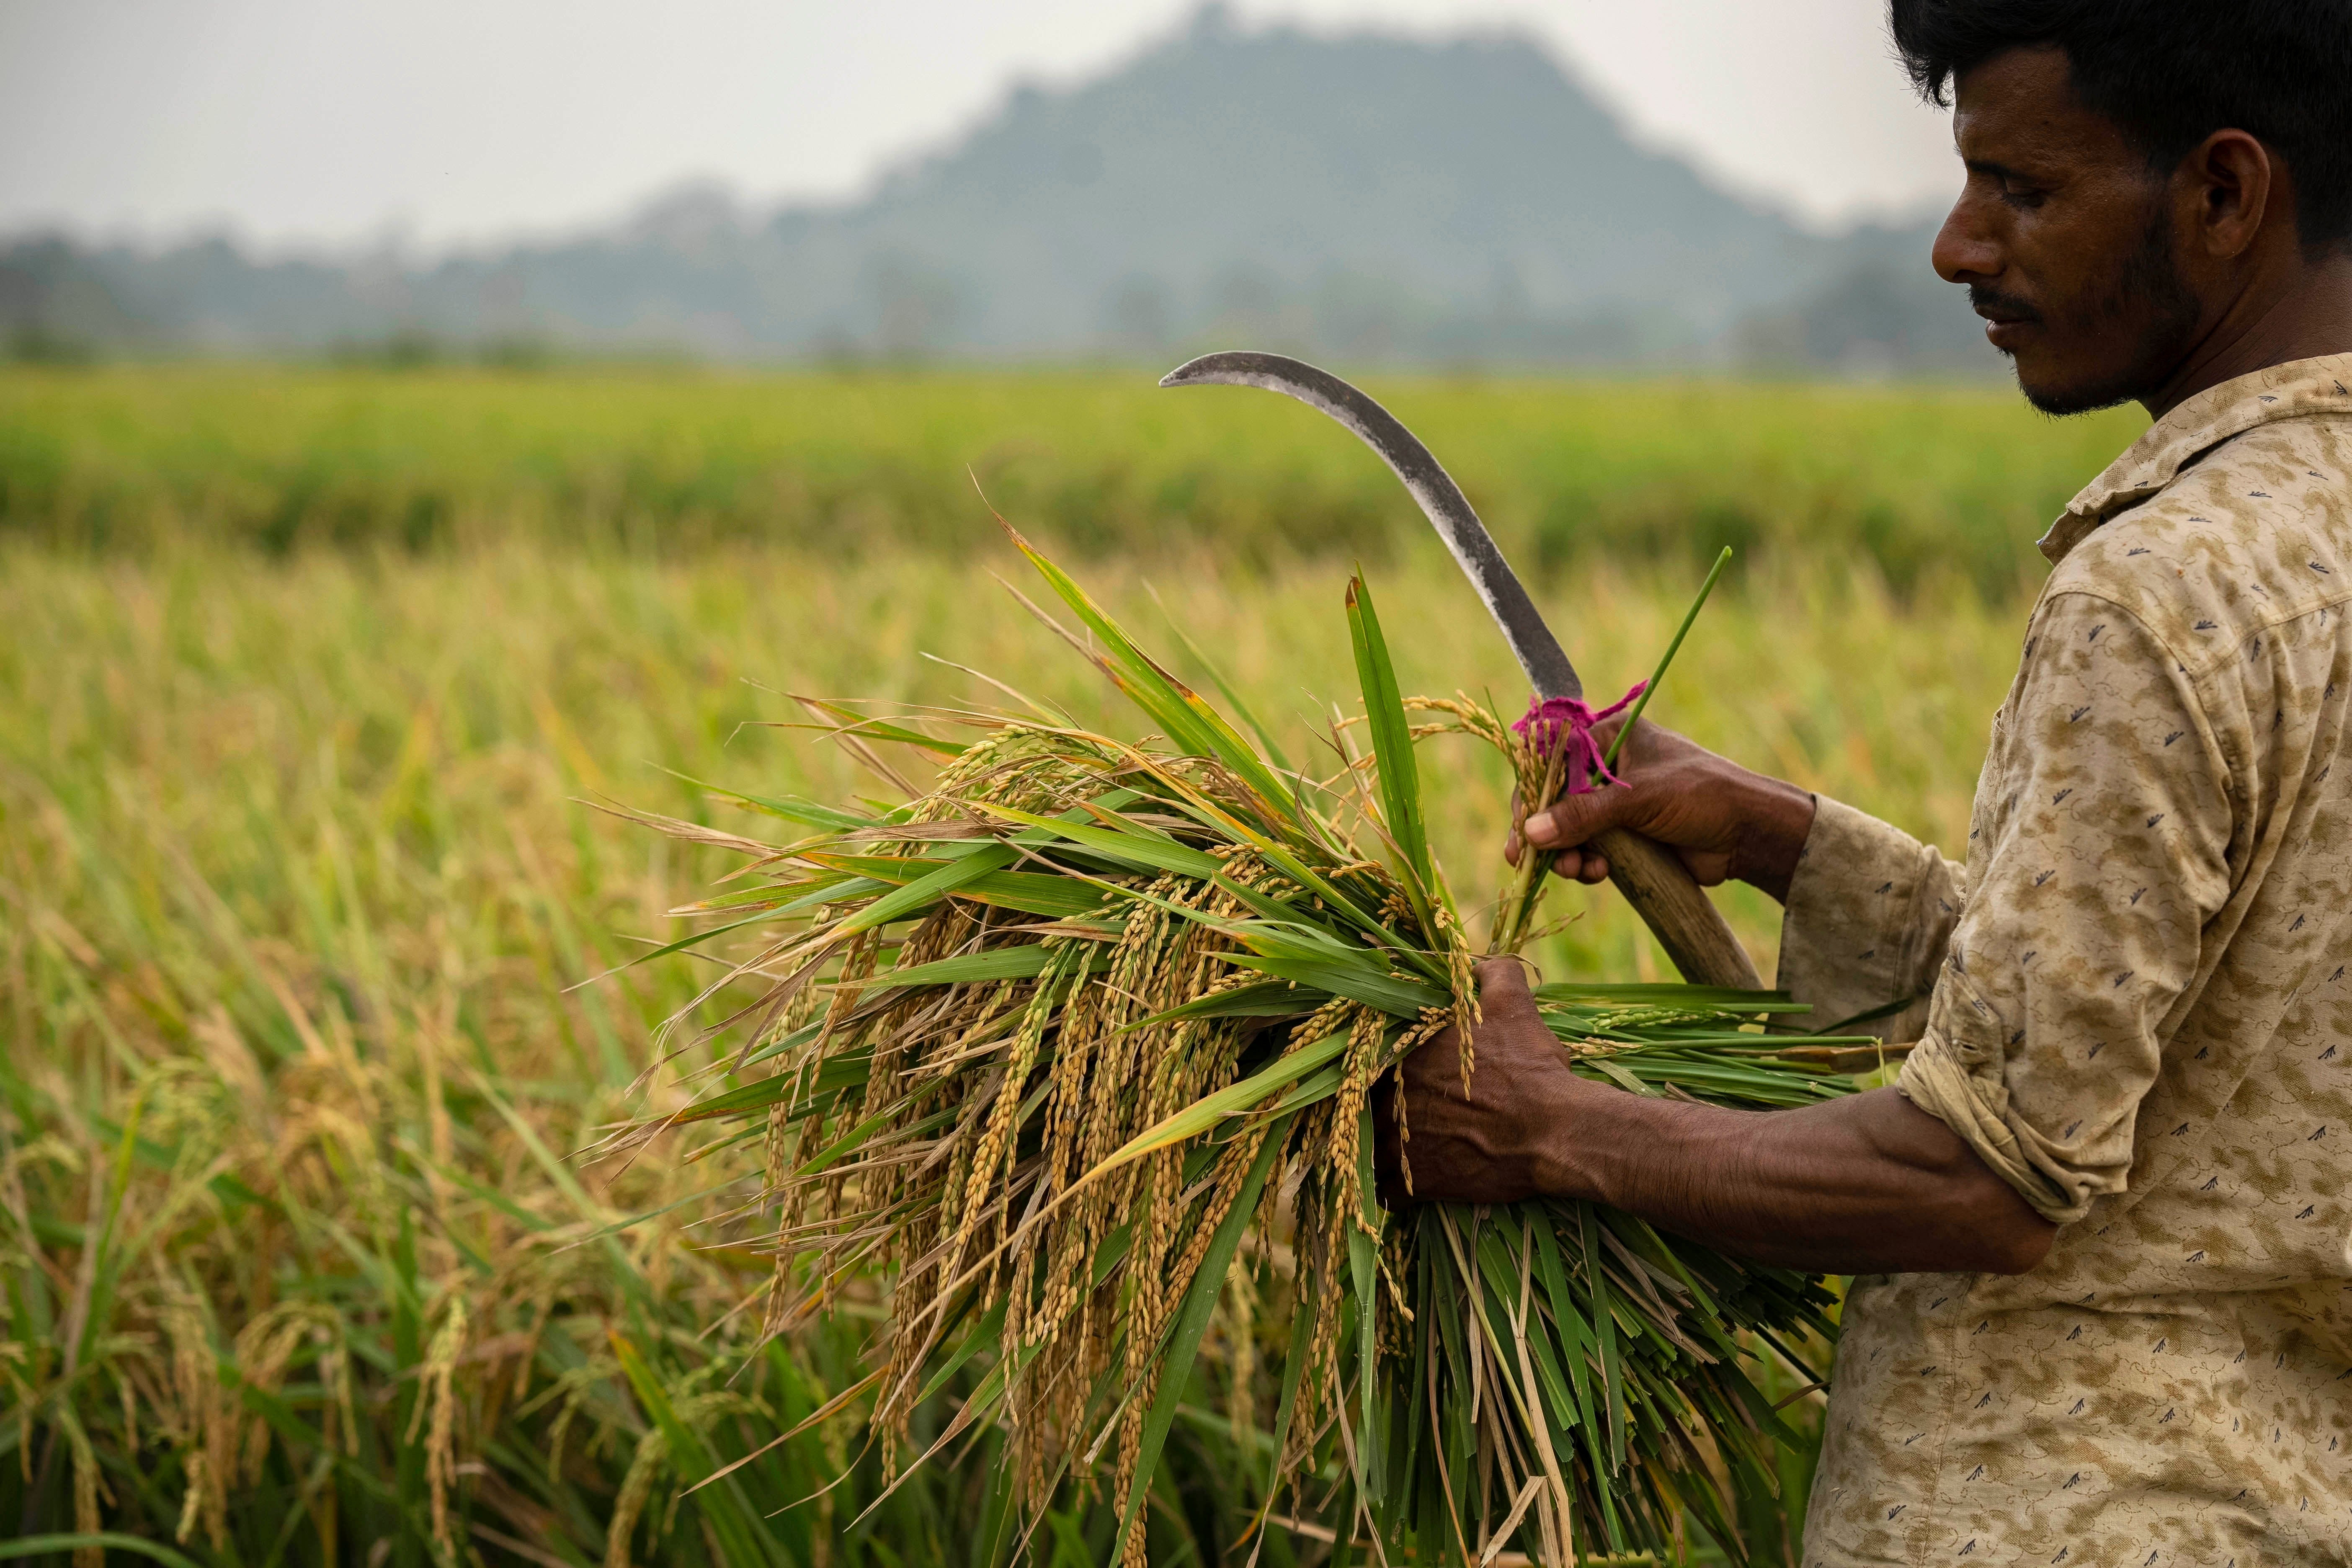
[1868, 1184]
[1485, 1147]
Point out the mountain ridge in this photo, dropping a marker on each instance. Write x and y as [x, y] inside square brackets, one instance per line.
[1358, 196]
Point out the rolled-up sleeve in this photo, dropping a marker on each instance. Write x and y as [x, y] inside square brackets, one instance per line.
[1870, 912]
[2100, 857]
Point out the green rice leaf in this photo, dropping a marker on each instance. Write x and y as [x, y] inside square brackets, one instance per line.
[920, 895]
[856, 724]
[1575, 1334]
[1697, 998]
[1148, 851]
[1604, 1321]
[1035, 893]
[751, 1096]
[782, 1043]
[1650, 687]
[1281, 857]
[698, 937]
[1232, 699]
[1366, 983]
[1192, 1323]
[1302, 1328]
[1191, 722]
[791, 808]
[1320, 1085]
[1026, 961]
[986, 1334]
[1391, 742]
[1364, 1273]
[840, 891]
[896, 870]
[741, 1531]
[1265, 999]
[1205, 1112]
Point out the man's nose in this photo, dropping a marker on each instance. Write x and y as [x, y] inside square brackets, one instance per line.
[1964, 251]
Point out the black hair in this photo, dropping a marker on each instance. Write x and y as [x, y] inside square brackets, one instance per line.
[2172, 72]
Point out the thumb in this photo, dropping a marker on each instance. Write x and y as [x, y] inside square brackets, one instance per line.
[1500, 979]
[1503, 990]
[1573, 819]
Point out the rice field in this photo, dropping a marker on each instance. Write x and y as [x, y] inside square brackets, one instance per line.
[302, 863]
[1916, 481]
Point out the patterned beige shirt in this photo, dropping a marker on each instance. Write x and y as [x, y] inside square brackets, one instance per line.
[2135, 1002]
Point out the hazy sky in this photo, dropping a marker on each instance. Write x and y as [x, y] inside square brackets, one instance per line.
[304, 121]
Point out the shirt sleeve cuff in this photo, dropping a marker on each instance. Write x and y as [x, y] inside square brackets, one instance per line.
[1869, 911]
[1975, 1107]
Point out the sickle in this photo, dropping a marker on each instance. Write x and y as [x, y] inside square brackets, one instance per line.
[1653, 878]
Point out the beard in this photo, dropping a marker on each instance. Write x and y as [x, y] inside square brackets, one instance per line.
[2148, 299]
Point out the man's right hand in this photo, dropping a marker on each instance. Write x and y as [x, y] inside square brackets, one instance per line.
[1725, 821]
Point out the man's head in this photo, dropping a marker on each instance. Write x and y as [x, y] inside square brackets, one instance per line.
[2139, 172]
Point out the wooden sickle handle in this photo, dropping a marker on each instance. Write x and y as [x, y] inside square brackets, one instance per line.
[1677, 911]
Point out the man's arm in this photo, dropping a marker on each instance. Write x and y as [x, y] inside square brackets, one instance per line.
[2052, 1002]
[1870, 910]
[1866, 1185]
[1869, 1184]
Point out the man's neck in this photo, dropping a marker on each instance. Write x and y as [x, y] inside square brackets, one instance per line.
[2278, 319]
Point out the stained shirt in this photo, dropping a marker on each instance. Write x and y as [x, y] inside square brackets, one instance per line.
[2134, 1000]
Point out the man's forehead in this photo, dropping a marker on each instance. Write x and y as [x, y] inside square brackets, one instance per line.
[2018, 110]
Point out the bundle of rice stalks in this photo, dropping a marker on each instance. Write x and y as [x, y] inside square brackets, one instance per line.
[1071, 1057]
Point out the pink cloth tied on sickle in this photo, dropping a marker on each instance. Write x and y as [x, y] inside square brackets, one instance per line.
[1554, 722]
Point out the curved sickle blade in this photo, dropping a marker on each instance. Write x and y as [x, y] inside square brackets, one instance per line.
[1442, 501]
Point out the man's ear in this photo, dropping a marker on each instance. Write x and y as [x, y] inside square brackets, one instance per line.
[2234, 186]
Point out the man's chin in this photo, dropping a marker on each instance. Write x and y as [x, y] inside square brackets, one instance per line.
[2058, 394]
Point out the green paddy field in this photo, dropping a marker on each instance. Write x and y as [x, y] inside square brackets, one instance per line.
[313, 684]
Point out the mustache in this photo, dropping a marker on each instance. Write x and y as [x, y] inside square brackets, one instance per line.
[1992, 304]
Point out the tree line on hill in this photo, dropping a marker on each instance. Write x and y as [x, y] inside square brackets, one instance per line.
[1364, 198]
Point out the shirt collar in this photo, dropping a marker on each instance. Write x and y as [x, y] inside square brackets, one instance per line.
[2195, 428]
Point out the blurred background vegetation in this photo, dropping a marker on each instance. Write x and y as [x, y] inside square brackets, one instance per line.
[1908, 482]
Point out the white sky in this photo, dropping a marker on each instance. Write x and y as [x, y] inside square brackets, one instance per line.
[438, 122]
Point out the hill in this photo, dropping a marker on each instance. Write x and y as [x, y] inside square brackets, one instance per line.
[1361, 196]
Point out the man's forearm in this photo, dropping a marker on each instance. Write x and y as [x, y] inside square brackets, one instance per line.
[1867, 1185]
[1871, 1185]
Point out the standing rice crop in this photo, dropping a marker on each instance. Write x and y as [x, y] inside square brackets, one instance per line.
[1063, 1063]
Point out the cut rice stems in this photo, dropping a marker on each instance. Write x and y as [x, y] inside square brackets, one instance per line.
[1107, 1109]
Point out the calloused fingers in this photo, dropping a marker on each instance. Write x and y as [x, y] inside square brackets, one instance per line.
[1584, 865]
[1591, 867]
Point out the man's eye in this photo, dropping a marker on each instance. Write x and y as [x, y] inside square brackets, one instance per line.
[2021, 197]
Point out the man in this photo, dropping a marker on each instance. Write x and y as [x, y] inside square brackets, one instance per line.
[2104, 1311]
